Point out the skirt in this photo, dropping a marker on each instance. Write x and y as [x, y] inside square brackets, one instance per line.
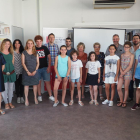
[92, 79]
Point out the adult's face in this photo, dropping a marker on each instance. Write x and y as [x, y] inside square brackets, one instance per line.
[51, 39]
[30, 44]
[136, 40]
[81, 48]
[7, 44]
[68, 42]
[38, 43]
[97, 48]
[116, 40]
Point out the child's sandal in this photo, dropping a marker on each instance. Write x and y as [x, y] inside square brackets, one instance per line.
[7, 106]
[119, 104]
[71, 102]
[101, 97]
[96, 103]
[80, 103]
[124, 105]
[11, 106]
[2, 112]
[91, 102]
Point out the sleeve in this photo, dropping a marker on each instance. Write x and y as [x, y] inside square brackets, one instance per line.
[118, 57]
[3, 60]
[98, 64]
[80, 63]
[47, 52]
[46, 45]
[87, 65]
[107, 52]
[103, 55]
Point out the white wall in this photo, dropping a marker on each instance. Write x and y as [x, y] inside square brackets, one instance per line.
[64, 13]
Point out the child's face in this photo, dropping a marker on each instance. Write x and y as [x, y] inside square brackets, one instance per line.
[127, 48]
[92, 57]
[74, 56]
[63, 50]
[112, 50]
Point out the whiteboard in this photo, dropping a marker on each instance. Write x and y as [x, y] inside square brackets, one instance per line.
[91, 35]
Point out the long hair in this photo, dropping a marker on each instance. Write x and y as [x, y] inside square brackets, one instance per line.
[33, 49]
[89, 59]
[21, 49]
[3, 45]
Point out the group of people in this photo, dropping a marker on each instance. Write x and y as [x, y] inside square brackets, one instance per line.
[28, 66]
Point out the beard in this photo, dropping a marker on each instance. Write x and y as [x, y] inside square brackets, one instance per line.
[136, 43]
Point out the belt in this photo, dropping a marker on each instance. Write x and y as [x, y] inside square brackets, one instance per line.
[8, 73]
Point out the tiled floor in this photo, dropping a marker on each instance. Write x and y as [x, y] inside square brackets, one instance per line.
[44, 122]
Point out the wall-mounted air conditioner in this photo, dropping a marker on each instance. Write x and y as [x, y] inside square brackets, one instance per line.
[111, 4]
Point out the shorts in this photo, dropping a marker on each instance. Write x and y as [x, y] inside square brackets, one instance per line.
[42, 72]
[61, 77]
[92, 79]
[75, 80]
[137, 82]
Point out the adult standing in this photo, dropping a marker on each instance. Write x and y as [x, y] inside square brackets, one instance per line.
[8, 73]
[83, 57]
[18, 49]
[54, 51]
[68, 45]
[134, 48]
[120, 48]
[100, 57]
[30, 62]
[44, 67]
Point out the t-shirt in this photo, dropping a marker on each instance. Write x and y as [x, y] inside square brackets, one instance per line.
[69, 51]
[93, 67]
[137, 57]
[75, 69]
[111, 68]
[43, 52]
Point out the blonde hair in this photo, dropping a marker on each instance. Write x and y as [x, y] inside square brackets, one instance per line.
[79, 44]
[11, 50]
[97, 44]
[33, 49]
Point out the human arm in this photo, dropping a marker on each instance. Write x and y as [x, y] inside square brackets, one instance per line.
[49, 63]
[13, 59]
[135, 66]
[37, 66]
[69, 68]
[55, 68]
[99, 75]
[117, 72]
[104, 71]
[80, 74]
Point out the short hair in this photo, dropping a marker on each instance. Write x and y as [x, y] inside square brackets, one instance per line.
[136, 35]
[89, 59]
[74, 51]
[96, 44]
[38, 37]
[68, 38]
[128, 43]
[51, 34]
[79, 44]
[116, 35]
[113, 46]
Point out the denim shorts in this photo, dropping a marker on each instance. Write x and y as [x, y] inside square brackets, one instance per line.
[75, 80]
[61, 77]
[44, 74]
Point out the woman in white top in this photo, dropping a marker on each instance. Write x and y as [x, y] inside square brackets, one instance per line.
[93, 76]
[110, 75]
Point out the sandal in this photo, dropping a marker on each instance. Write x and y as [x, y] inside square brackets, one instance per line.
[7, 106]
[101, 97]
[2, 112]
[71, 102]
[96, 103]
[91, 102]
[119, 104]
[11, 106]
[124, 105]
[80, 103]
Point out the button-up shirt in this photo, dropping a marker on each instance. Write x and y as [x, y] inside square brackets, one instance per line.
[119, 51]
[54, 51]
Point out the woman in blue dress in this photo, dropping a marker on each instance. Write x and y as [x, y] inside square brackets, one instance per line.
[101, 57]
[2, 88]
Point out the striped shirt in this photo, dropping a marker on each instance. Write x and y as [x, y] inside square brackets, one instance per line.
[17, 63]
[54, 51]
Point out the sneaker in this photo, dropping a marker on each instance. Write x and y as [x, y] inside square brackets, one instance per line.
[64, 104]
[105, 102]
[51, 98]
[55, 104]
[40, 98]
[18, 100]
[136, 106]
[110, 103]
[22, 100]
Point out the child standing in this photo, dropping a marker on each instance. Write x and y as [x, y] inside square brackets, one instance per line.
[2, 88]
[62, 68]
[125, 77]
[93, 76]
[111, 71]
[76, 76]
